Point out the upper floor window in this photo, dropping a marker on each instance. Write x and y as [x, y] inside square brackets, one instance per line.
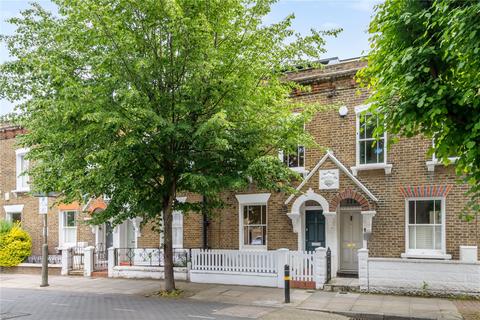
[431, 164]
[21, 167]
[177, 229]
[296, 159]
[371, 149]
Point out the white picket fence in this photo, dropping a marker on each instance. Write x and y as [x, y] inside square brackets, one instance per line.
[264, 268]
[301, 265]
[235, 261]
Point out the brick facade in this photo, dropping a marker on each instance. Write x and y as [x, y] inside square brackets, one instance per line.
[334, 86]
[31, 220]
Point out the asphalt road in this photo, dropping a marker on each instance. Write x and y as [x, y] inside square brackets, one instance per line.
[28, 304]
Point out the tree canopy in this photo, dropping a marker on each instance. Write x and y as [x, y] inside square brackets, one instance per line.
[423, 72]
[143, 100]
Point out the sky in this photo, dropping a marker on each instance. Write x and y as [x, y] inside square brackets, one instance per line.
[353, 16]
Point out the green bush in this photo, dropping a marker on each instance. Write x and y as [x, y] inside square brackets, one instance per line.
[15, 245]
[5, 226]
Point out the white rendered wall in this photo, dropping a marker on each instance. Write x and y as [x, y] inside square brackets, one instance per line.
[138, 272]
[416, 275]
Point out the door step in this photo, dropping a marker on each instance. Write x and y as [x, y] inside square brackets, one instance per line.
[342, 285]
[75, 273]
[100, 274]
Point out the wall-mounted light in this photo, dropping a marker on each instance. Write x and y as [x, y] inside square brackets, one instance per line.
[342, 111]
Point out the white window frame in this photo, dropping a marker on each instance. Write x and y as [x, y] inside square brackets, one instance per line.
[259, 199]
[300, 169]
[359, 110]
[426, 253]
[12, 209]
[61, 229]
[22, 181]
[431, 164]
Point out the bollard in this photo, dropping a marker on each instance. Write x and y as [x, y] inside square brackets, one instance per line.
[286, 277]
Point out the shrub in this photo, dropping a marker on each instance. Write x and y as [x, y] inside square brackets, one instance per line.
[15, 246]
[5, 226]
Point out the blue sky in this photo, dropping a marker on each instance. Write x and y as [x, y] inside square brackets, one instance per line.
[351, 15]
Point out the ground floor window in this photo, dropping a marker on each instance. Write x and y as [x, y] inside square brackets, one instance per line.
[14, 217]
[69, 227]
[425, 225]
[255, 225]
[177, 230]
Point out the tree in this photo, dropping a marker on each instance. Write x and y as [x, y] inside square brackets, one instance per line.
[423, 72]
[143, 100]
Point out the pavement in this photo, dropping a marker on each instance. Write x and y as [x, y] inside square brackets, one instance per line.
[240, 302]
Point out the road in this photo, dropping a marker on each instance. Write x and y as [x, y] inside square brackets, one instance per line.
[29, 304]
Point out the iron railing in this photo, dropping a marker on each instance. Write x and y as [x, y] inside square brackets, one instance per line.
[100, 258]
[77, 255]
[52, 259]
[149, 257]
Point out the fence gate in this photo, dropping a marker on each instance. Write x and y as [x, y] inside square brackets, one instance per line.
[77, 256]
[302, 269]
[100, 258]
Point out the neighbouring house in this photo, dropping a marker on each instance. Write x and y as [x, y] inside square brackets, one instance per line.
[65, 227]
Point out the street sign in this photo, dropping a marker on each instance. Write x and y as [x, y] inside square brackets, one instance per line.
[42, 205]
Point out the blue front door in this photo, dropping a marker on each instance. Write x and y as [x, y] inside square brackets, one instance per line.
[314, 229]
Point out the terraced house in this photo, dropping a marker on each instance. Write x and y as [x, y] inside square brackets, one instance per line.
[387, 213]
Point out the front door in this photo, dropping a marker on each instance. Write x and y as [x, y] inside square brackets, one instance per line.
[314, 229]
[351, 240]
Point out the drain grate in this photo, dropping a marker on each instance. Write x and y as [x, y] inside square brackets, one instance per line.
[11, 315]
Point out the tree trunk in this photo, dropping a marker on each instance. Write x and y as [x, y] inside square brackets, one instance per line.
[167, 240]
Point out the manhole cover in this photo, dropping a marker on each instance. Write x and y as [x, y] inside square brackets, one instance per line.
[11, 315]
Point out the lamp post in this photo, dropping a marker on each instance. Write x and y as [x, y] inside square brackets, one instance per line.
[43, 209]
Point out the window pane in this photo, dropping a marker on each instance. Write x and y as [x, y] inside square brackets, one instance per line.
[16, 217]
[301, 156]
[69, 219]
[370, 125]
[245, 235]
[255, 215]
[411, 237]
[245, 215]
[256, 235]
[362, 147]
[438, 212]
[411, 212]
[370, 152]
[438, 237]
[70, 235]
[264, 214]
[424, 212]
[380, 150]
[424, 237]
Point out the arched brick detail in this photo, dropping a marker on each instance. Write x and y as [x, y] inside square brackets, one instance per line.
[350, 194]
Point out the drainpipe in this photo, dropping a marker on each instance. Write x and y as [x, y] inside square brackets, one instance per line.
[205, 223]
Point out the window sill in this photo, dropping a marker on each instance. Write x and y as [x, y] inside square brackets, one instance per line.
[21, 190]
[431, 164]
[300, 170]
[432, 255]
[253, 248]
[372, 166]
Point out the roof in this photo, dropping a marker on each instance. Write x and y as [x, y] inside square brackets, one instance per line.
[329, 155]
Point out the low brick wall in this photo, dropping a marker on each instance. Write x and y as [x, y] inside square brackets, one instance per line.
[32, 268]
